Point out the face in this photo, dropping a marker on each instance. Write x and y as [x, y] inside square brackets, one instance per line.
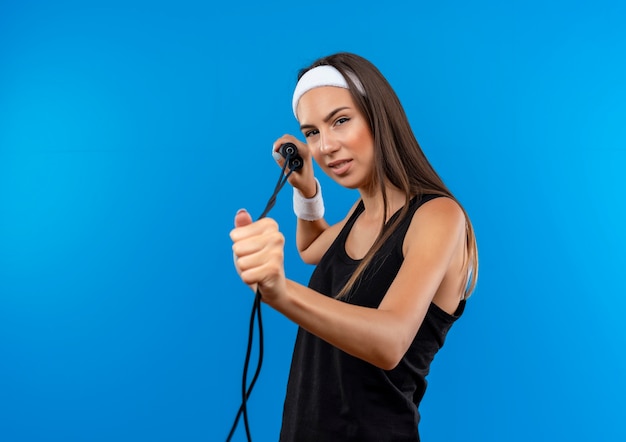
[338, 135]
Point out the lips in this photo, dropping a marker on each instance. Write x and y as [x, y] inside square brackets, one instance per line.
[340, 167]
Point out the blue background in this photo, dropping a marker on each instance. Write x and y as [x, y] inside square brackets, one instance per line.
[131, 132]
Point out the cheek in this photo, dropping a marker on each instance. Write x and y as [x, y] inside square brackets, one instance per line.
[361, 139]
[364, 146]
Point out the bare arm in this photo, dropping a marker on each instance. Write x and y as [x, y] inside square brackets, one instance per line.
[307, 232]
[380, 336]
[313, 238]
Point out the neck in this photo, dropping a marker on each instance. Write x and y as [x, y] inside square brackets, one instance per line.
[375, 206]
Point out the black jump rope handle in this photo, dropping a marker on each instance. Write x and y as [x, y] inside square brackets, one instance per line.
[293, 162]
[289, 151]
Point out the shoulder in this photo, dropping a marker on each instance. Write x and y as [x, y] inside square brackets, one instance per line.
[441, 220]
[440, 208]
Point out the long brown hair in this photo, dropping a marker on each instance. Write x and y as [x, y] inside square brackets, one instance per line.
[398, 157]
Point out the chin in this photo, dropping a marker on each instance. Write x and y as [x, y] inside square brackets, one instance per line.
[352, 183]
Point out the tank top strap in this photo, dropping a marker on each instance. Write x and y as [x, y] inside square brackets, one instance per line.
[415, 203]
[419, 201]
[341, 238]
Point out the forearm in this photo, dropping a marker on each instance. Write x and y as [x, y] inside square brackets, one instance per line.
[309, 208]
[307, 232]
[370, 334]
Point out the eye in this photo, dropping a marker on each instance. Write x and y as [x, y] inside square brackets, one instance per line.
[341, 120]
[310, 133]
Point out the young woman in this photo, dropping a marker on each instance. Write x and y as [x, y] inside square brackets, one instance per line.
[390, 279]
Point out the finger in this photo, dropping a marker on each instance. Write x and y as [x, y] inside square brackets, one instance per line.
[280, 160]
[253, 270]
[257, 245]
[253, 286]
[276, 155]
[301, 147]
[261, 227]
[242, 218]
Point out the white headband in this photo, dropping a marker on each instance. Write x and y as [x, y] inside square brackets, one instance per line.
[320, 76]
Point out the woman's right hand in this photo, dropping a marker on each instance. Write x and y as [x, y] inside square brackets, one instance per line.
[302, 179]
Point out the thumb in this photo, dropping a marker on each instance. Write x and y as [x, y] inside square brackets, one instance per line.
[242, 218]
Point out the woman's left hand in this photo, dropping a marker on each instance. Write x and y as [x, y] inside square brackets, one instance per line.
[258, 249]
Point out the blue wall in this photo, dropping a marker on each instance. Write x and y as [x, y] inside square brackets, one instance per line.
[131, 132]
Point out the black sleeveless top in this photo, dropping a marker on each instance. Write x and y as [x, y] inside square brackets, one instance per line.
[333, 396]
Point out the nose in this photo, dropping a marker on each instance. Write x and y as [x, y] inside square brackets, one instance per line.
[328, 143]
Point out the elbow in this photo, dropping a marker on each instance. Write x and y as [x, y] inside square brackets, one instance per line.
[308, 257]
[388, 364]
[390, 356]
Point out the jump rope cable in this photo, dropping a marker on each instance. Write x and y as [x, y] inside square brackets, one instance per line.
[246, 390]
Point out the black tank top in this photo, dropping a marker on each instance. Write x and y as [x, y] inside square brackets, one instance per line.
[333, 396]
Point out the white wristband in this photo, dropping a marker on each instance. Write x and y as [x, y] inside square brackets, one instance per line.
[309, 209]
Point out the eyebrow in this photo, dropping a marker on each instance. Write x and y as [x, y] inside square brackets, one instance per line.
[327, 118]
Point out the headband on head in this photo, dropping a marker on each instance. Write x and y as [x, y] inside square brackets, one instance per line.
[320, 76]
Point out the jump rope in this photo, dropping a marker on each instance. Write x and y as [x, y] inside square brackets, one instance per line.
[293, 162]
